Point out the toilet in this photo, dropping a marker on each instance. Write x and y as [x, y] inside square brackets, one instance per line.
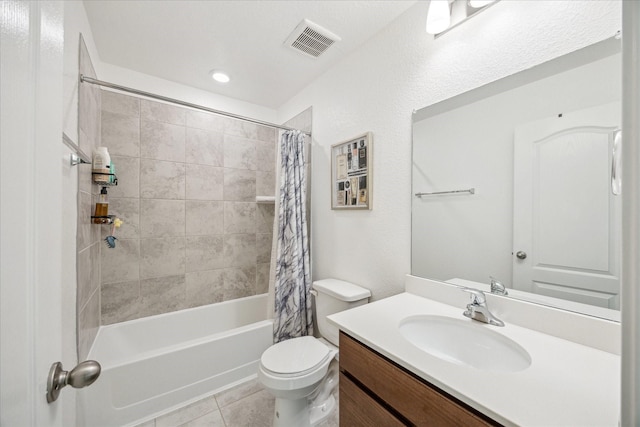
[296, 371]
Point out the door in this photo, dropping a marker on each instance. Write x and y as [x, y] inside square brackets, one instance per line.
[30, 208]
[566, 219]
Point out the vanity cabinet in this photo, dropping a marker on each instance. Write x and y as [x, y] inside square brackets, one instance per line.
[376, 391]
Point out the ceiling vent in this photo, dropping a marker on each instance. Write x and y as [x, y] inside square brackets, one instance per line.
[311, 39]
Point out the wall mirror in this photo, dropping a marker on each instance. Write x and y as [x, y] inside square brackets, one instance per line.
[514, 180]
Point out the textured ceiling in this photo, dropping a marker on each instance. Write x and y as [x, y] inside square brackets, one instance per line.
[182, 41]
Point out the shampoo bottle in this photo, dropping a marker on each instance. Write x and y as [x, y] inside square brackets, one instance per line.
[101, 163]
[102, 207]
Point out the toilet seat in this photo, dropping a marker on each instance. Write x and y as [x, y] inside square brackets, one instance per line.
[295, 357]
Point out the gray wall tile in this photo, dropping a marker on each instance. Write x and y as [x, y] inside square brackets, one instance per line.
[162, 141]
[88, 235]
[204, 253]
[128, 173]
[264, 217]
[206, 121]
[204, 217]
[84, 267]
[204, 147]
[262, 278]
[249, 130]
[119, 103]
[121, 134]
[120, 302]
[186, 193]
[85, 226]
[162, 295]
[265, 183]
[239, 282]
[88, 324]
[121, 264]
[204, 287]
[266, 156]
[239, 185]
[162, 218]
[263, 248]
[128, 210]
[239, 217]
[239, 250]
[160, 112]
[161, 180]
[162, 257]
[204, 182]
[85, 179]
[239, 153]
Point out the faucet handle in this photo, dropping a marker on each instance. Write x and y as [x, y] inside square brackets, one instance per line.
[477, 296]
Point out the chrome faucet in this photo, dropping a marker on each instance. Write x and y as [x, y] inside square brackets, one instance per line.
[477, 309]
[497, 287]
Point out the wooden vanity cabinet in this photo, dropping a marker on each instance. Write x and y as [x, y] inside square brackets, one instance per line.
[375, 391]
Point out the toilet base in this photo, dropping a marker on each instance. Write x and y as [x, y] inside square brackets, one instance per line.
[292, 413]
[320, 413]
[298, 412]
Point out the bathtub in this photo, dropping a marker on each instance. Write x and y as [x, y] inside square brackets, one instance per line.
[155, 364]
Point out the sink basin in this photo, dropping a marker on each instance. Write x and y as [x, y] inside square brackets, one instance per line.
[465, 342]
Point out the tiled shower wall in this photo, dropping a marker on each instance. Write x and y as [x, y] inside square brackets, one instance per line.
[88, 235]
[187, 182]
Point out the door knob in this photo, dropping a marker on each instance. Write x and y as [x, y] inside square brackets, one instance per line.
[521, 255]
[81, 376]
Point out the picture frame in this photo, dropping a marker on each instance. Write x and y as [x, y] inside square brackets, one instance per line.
[351, 173]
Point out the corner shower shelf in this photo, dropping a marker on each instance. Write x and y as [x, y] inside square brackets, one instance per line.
[105, 183]
[103, 219]
[265, 199]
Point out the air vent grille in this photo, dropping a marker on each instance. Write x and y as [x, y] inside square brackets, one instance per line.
[311, 39]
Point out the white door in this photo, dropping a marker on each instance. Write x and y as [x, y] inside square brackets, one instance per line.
[566, 219]
[30, 208]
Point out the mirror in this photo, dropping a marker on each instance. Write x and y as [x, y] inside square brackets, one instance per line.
[521, 170]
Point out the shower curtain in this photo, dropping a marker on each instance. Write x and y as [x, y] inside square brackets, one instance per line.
[292, 316]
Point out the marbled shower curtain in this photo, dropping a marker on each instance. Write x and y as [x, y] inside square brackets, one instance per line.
[292, 317]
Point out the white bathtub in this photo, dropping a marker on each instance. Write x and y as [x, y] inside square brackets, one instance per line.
[158, 363]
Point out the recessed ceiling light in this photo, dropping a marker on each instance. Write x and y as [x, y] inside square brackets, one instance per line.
[220, 76]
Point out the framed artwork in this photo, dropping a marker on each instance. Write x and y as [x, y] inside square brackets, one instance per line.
[351, 164]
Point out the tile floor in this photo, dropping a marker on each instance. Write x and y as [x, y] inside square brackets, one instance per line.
[246, 405]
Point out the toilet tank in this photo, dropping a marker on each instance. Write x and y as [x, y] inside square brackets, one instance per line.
[334, 296]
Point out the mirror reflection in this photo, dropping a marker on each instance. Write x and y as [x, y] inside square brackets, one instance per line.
[524, 176]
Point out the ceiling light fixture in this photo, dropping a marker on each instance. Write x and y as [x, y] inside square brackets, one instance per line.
[444, 15]
[438, 17]
[220, 76]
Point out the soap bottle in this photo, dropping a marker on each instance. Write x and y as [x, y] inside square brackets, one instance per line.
[102, 207]
[101, 163]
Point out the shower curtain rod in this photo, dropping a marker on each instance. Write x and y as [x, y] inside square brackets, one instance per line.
[85, 79]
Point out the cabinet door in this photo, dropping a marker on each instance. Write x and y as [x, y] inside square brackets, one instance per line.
[415, 400]
[358, 409]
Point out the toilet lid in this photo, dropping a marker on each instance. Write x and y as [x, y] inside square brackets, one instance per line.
[294, 355]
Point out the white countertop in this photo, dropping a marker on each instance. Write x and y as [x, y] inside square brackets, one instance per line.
[567, 384]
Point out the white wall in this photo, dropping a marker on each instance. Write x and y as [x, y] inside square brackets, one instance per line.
[145, 82]
[402, 69]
